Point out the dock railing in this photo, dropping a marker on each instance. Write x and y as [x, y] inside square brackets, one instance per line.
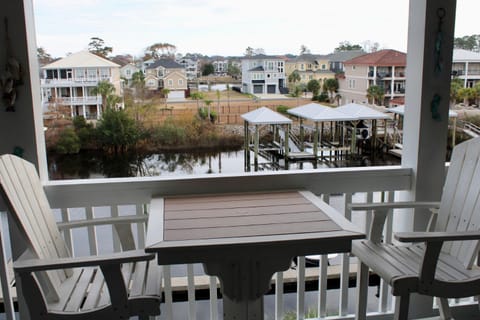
[79, 203]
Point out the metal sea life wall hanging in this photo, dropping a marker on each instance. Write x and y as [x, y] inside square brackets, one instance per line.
[10, 77]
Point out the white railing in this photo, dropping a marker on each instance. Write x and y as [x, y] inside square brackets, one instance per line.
[91, 81]
[80, 202]
[80, 100]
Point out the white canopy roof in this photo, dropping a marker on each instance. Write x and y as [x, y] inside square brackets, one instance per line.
[317, 113]
[264, 115]
[361, 112]
[401, 110]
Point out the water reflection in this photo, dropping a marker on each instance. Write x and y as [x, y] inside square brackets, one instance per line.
[91, 165]
[97, 165]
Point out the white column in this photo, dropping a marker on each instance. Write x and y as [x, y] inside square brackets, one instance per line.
[24, 127]
[465, 82]
[431, 26]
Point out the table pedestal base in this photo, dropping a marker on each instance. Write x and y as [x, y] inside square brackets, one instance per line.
[239, 310]
[244, 281]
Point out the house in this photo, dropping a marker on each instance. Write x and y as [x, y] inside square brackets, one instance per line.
[383, 68]
[466, 66]
[167, 74]
[220, 66]
[127, 71]
[262, 74]
[337, 59]
[309, 67]
[190, 66]
[71, 81]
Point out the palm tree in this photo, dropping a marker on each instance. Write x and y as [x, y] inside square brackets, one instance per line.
[455, 85]
[466, 94]
[197, 96]
[165, 93]
[294, 77]
[208, 103]
[331, 86]
[376, 94]
[218, 102]
[104, 89]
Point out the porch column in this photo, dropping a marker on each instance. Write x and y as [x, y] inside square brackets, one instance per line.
[429, 63]
[23, 129]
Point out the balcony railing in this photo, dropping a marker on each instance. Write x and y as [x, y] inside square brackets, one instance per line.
[73, 81]
[80, 202]
[80, 100]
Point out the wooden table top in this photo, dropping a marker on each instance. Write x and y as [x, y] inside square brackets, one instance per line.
[202, 225]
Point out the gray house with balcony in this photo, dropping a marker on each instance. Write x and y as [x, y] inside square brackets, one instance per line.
[262, 74]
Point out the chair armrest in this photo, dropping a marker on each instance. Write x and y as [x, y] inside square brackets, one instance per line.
[393, 205]
[382, 209]
[437, 236]
[31, 265]
[101, 221]
[434, 242]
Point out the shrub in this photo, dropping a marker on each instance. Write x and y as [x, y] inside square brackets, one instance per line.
[117, 131]
[282, 109]
[68, 142]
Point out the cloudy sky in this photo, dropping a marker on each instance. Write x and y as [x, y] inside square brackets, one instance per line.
[228, 27]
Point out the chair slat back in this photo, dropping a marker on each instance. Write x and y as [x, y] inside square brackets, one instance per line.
[460, 205]
[27, 203]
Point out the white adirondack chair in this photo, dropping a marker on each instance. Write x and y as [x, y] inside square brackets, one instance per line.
[437, 263]
[55, 285]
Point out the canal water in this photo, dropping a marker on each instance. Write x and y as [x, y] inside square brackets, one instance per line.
[98, 165]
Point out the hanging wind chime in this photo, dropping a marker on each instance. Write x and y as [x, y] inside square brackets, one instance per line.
[11, 77]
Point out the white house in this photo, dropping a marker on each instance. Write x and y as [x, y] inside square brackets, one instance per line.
[466, 66]
[71, 82]
[262, 74]
[127, 71]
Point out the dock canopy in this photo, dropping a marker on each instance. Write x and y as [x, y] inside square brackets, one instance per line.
[361, 112]
[264, 115]
[401, 110]
[319, 113]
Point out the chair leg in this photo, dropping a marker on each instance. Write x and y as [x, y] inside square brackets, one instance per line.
[362, 291]
[444, 308]
[401, 307]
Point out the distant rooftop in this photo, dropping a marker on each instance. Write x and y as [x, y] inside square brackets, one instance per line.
[82, 59]
[381, 58]
[342, 56]
[262, 57]
[465, 55]
[166, 63]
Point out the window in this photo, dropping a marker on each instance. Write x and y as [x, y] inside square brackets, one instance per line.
[351, 84]
[91, 74]
[170, 82]
[180, 82]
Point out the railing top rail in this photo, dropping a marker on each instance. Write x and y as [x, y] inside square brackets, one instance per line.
[141, 189]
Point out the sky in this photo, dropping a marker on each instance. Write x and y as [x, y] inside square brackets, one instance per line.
[228, 27]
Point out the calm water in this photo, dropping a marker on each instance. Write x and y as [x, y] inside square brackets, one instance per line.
[98, 165]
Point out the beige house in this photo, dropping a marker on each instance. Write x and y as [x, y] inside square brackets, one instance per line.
[309, 67]
[384, 68]
[167, 74]
[70, 82]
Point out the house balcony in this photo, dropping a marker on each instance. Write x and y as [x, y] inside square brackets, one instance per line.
[79, 101]
[91, 82]
[328, 289]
